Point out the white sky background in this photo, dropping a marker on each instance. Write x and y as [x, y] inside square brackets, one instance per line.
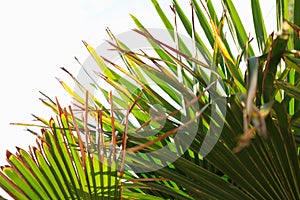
[38, 37]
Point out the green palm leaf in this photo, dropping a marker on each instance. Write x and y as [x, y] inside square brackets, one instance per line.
[59, 168]
[172, 105]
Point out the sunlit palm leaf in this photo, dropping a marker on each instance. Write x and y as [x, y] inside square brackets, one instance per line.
[255, 157]
[61, 167]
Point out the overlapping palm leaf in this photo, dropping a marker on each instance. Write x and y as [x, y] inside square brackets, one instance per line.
[256, 154]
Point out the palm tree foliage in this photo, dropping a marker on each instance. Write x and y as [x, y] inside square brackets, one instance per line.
[253, 118]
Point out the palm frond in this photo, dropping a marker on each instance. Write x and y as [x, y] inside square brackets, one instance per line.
[183, 119]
